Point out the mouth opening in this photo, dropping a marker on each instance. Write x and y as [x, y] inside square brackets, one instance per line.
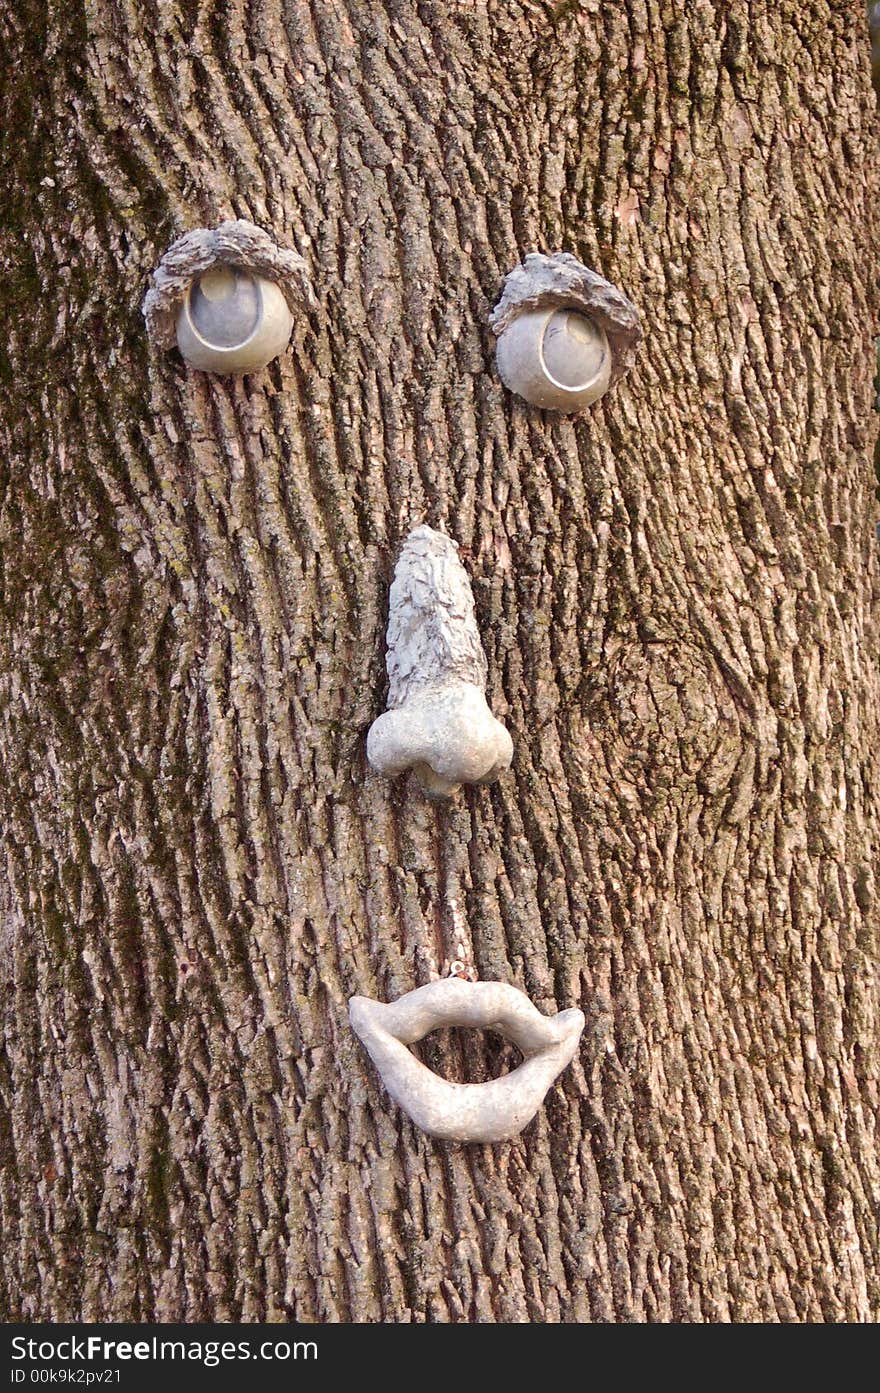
[462, 1055]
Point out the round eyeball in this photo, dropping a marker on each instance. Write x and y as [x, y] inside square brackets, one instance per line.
[555, 358]
[232, 321]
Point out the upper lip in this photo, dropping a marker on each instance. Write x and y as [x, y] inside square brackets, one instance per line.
[484, 1112]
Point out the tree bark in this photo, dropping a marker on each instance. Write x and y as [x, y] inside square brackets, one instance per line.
[677, 592]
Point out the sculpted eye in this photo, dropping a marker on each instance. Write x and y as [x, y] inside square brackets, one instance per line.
[232, 321]
[225, 297]
[565, 334]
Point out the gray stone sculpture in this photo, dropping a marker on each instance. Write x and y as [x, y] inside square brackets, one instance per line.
[485, 1112]
[438, 722]
[565, 335]
[226, 296]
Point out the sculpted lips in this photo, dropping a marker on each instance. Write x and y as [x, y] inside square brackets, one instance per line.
[486, 1112]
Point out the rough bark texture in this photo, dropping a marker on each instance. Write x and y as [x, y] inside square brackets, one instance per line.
[678, 597]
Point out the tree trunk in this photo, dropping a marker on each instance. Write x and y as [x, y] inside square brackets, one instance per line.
[677, 592]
